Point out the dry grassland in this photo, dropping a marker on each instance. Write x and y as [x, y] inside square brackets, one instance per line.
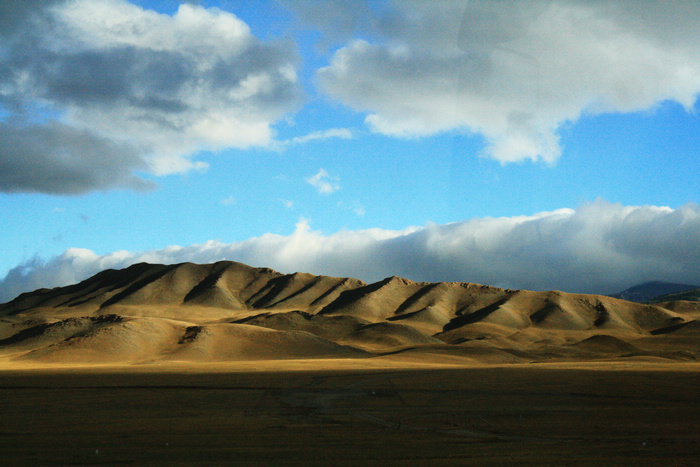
[396, 414]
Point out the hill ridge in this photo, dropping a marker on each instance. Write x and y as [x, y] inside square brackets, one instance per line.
[230, 303]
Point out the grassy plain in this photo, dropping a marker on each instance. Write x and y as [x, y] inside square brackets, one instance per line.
[350, 412]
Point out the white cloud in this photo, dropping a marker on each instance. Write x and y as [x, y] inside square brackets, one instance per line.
[359, 209]
[230, 201]
[112, 89]
[355, 207]
[342, 133]
[324, 183]
[514, 71]
[321, 135]
[289, 204]
[597, 248]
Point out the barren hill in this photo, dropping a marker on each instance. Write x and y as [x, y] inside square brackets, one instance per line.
[229, 311]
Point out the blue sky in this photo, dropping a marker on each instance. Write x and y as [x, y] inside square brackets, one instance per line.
[543, 145]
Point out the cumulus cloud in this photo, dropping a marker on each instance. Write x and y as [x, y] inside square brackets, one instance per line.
[596, 248]
[515, 71]
[346, 17]
[324, 183]
[94, 91]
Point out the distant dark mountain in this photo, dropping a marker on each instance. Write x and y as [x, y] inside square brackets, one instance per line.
[692, 295]
[653, 291]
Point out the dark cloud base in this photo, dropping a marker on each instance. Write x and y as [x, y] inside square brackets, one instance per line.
[58, 159]
[89, 102]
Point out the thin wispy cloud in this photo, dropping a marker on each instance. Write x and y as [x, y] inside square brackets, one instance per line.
[229, 201]
[597, 248]
[332, 133]
[359, 209]
[324, 183]
[289, 204]
[355, 207]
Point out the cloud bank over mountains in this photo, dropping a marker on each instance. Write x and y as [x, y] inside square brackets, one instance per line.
[596, 248]
[95, 91]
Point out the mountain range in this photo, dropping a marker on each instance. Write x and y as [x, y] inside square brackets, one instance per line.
[228, 311]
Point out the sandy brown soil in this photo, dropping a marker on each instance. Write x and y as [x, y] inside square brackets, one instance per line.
[387, 413]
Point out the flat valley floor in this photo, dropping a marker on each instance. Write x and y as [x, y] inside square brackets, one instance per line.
[345, 413]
